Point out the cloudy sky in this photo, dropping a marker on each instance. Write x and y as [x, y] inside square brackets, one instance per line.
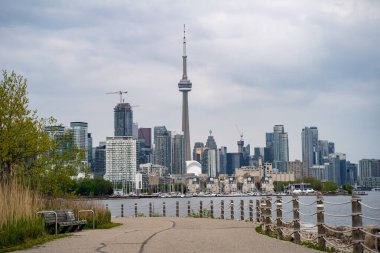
[253, 64]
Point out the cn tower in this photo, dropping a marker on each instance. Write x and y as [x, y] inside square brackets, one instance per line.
[184, 86]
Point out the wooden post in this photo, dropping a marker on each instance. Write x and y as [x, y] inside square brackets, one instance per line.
[163, 209]
[251, 210]
[150, 209]
[280, 235]
[222, 209]
[257, 210]
[296, 220]
[232, 210]
[262, 213]
[188, 208]
[268, 211]
[122, 210]
[135, 209]
[357, 234]
[200, 209]
[177, 208]
[212, 209]
[320, 220]
[241, 209]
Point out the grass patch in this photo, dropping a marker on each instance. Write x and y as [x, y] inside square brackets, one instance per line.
[32, 242]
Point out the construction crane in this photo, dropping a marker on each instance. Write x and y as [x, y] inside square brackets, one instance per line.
[240, 132]
[120, 93]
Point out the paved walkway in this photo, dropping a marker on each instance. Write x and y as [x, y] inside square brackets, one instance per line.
[171, 235]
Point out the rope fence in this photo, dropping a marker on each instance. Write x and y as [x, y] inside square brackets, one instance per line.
[268, 212]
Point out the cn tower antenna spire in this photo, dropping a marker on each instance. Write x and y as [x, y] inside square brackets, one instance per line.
[184, 57]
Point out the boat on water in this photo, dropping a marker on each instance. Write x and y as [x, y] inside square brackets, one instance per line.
[360, 193]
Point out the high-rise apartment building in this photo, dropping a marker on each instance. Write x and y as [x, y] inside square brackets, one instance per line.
[178, 154]
[268, 151]
[146, 135]
[210, 161]
[100, 160]
[123, 119]
[280, 148]
[197, 151]
[309, 138]
[337, 170]
[162, 147]
[222, 160]
[80, 137]
[369, 172]
[89, 151]
[121, 161]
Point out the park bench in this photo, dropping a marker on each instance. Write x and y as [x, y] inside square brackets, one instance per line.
[62, 221]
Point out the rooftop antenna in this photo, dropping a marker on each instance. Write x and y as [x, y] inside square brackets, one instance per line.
[120, 93]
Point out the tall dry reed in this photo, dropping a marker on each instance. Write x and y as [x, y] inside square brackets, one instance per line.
[18, 202]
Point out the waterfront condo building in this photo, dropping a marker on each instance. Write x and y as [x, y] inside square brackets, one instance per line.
[121, 161]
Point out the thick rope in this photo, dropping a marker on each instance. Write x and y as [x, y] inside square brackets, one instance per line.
[340, 203]
[336, 246]
[307, 214]
[338, 231]
[370, 218]
[370, 207]
[305, 204]
[312, 239]
[369, 249]
[338, 215]
[368, 233]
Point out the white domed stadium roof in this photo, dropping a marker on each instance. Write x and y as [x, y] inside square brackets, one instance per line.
[193, 167]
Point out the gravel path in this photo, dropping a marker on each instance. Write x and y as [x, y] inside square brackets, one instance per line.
[144, 235]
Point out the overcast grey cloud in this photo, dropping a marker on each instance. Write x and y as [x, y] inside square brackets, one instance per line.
[253, 64]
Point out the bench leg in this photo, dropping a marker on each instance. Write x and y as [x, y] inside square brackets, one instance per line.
[73, 228]
[81, 226]
[63, 229]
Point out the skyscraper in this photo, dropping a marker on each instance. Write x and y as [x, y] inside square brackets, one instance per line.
[178, 159]
[309, 138]
[121, 161]
[80, 136]
[197, 151]
[123, 119]
[100, 160]
[146, 135]
[162, 147]
[280, 148]
[184, 86]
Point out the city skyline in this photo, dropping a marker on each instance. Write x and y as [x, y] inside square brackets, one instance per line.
[256, 65]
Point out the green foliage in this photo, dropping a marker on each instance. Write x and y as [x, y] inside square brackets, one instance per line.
[28, 243]
[206, 213]
[23, 140]
[279, 186]
[329, 186]
[348, 188]
[46, 163]
[94, 187]
[19, 231]
[314, 183]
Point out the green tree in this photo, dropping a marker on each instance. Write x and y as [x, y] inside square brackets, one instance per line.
[348, 188]
[26, 149]
[329, 186]
[22, 137]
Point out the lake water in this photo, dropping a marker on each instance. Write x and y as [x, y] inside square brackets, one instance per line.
[372, 199]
